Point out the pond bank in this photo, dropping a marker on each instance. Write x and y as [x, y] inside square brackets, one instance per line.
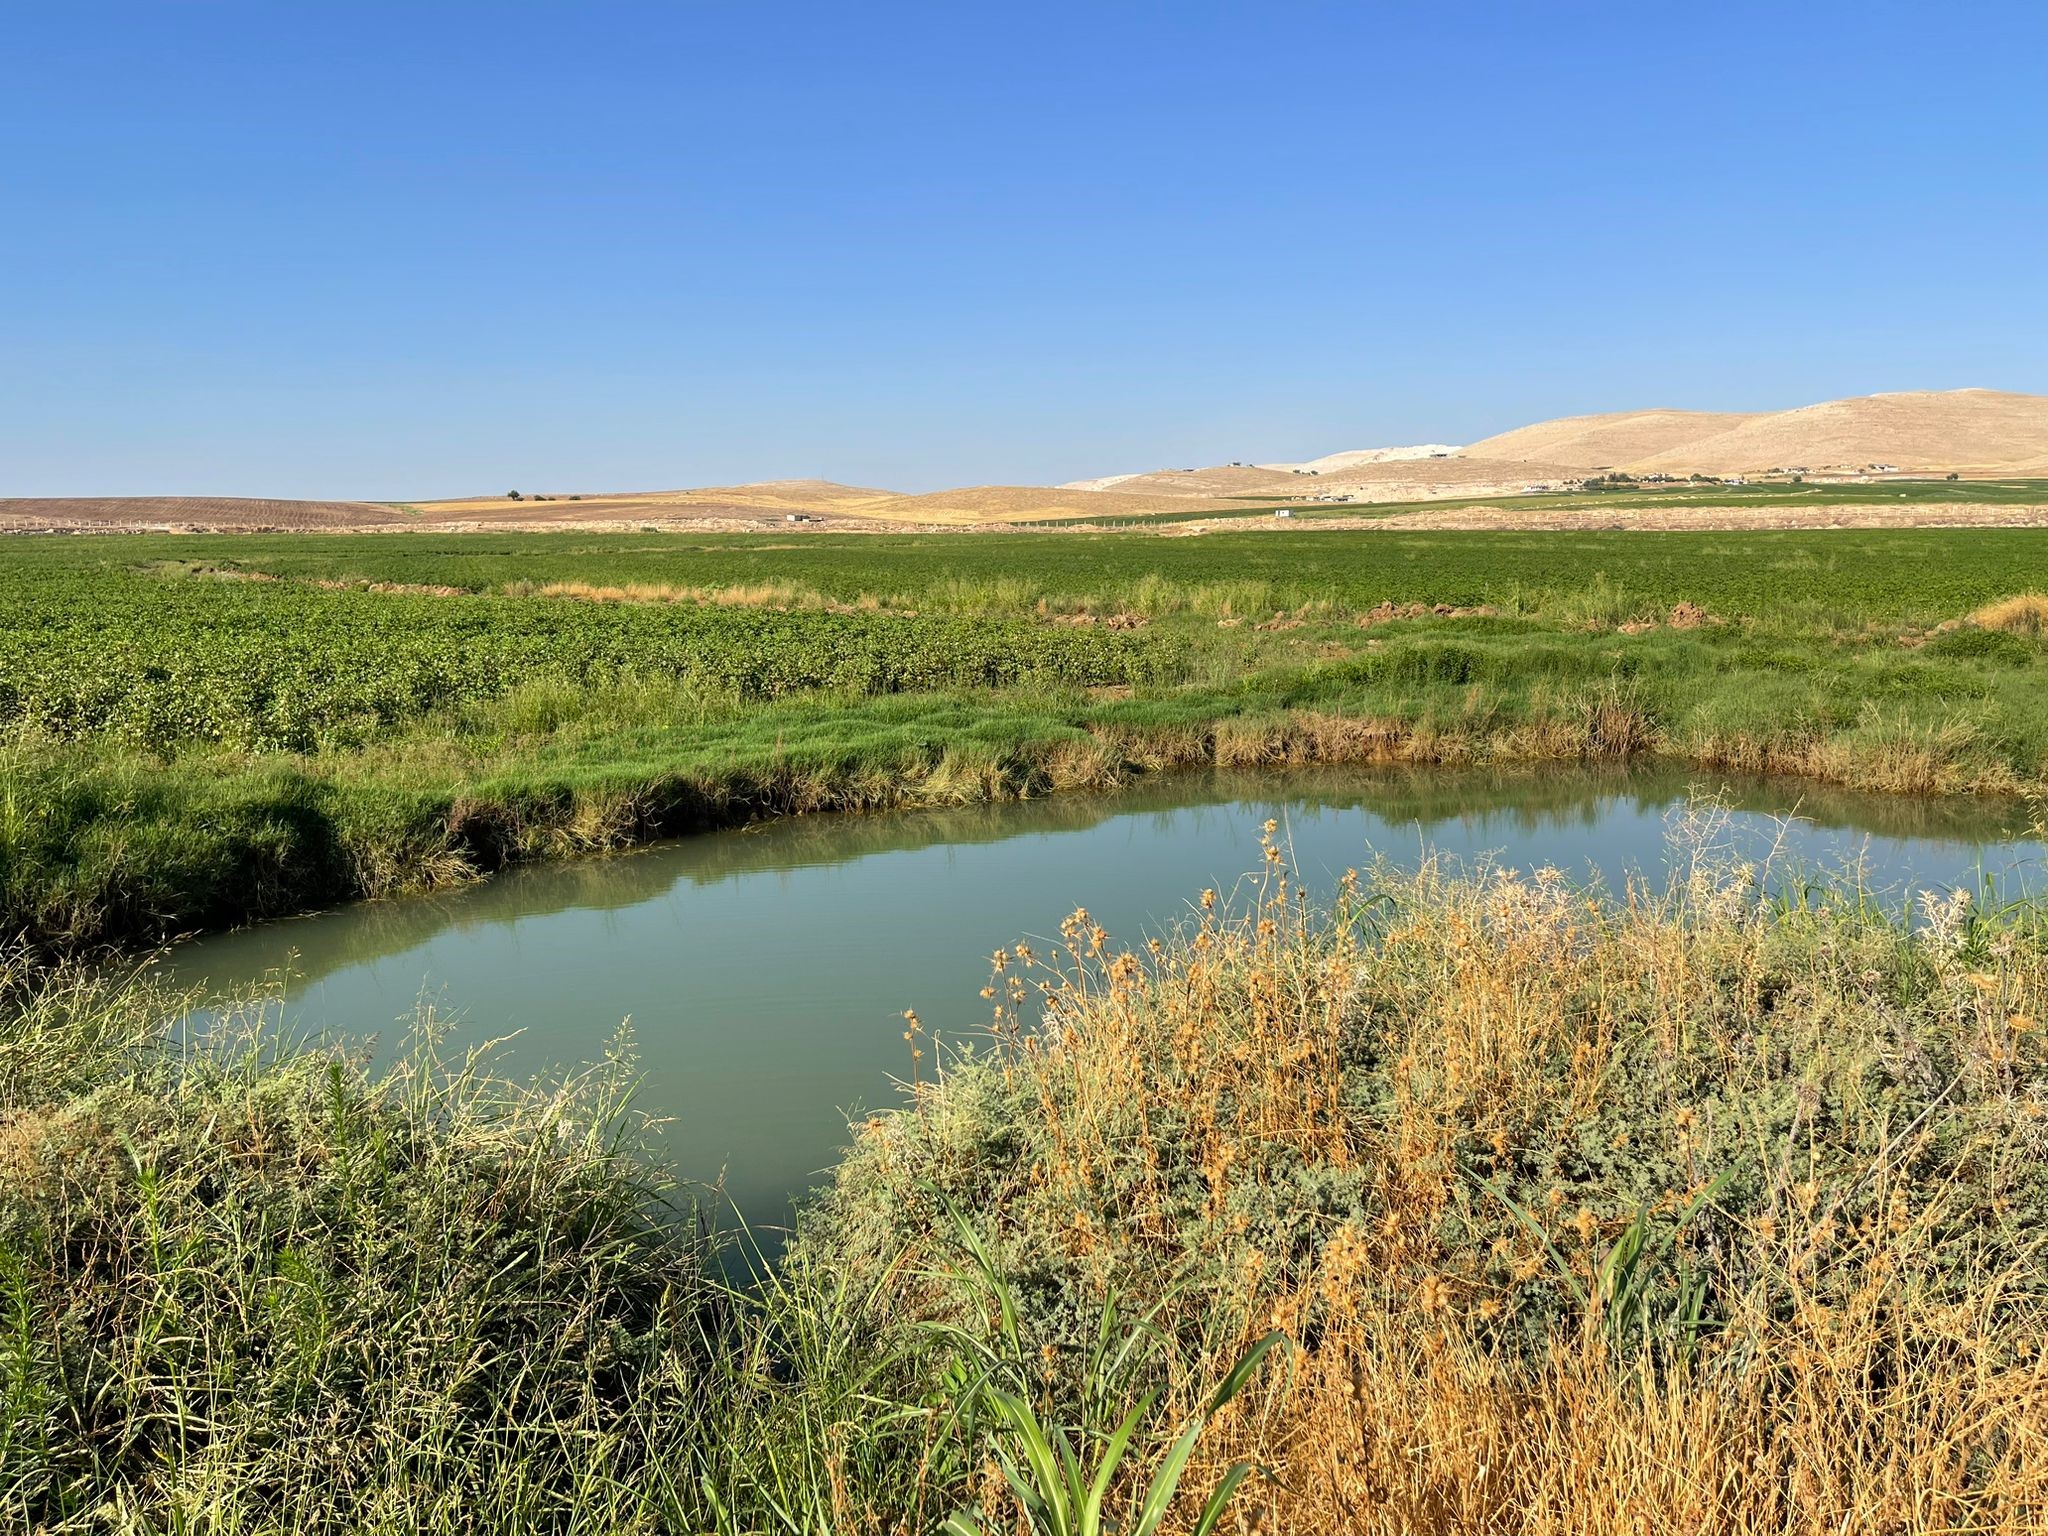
[765, 970]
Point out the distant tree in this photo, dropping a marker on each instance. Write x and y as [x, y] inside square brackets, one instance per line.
[1953, 475]
[512, 495]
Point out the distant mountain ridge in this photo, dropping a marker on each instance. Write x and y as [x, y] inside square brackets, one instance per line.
[1966, 431]
[1973, 433]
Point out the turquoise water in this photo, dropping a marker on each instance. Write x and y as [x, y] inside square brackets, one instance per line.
[765, 970]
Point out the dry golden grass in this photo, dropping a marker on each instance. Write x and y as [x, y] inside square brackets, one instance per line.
[2026, 614]
[779, 595]
[1282, 1120]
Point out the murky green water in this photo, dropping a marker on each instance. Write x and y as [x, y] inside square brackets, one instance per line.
[765, 971]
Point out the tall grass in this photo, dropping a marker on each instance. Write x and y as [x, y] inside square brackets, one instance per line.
[2026, 614]
[252, 1288]
[1681, 1211]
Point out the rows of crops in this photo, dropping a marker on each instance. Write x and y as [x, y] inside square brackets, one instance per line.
[1921, 575]
[161, 662]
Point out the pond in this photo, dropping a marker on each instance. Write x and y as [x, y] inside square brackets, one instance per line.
[765, 970]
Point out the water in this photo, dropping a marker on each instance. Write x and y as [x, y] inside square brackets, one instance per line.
[765, 970]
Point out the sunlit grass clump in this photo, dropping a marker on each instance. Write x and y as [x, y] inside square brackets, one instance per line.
[2026, 614]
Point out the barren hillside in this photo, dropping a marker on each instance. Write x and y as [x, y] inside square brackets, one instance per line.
[1464, 475]
[1604, 442]
[1026, 503]
[188, 514]
[1969, 430]
[1976, 433]
[764, 495]
[1217, 480]
[1337, 463]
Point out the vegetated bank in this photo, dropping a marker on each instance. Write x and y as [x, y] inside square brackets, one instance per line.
[1570, 1213]
[205, 731]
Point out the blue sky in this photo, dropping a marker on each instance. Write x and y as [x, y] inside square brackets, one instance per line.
[405, 250]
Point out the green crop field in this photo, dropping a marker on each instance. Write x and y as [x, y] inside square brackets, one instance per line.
[204, 730]
[157, 661]
[1910, 574]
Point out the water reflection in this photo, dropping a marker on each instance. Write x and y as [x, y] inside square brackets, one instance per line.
[765, 969]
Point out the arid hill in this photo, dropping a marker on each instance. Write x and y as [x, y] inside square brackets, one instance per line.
[1605, 442]
[187, 514]
[764, 495]
[1973, 431]
[1217, 480]
[716, 508]
[1028, 503]
[1337, 463]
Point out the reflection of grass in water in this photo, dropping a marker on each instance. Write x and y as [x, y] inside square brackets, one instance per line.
[1528, 799]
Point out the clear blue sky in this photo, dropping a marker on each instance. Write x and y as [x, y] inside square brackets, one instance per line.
[401, 250]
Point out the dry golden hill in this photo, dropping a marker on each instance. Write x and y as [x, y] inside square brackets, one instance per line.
[189, 514]
[1352, 458]
[1605, 442]
[1217, 480]
[1974, 431]
[764, 495]
[1029, 503]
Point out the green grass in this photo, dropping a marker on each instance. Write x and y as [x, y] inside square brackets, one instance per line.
[1891, 575]
[190, 746]
[169, 654]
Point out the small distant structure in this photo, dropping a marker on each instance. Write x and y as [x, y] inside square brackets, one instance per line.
[1283, 511]
[799, 517]
[1534, 490]
[1886, 469]
[1736, 480]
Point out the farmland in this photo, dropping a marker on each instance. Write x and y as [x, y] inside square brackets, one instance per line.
[164, 659]
[204, 731]
[1779, 495]
[1895, 574]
